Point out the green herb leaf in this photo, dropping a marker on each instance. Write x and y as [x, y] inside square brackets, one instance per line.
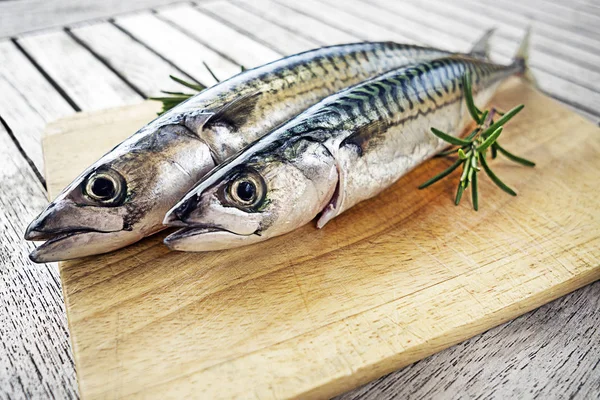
[197, 87]
[474, 194]
[490, 139]
[210, 71]
[513, 157]
[495, 179]
[441, 175]
[507, 117]
[450, 139]
[468, 92]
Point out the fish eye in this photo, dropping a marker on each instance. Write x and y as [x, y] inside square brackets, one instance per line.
[105, 187]
[247, 190]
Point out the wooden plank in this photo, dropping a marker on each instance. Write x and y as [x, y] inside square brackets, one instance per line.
[85, 79]
[217, 35]
[581, 89]
[561, 15]
[143, 68]
[301, 24]
[345, 21]
[396, 22]
[28, 101]
[557, 33]
[180, 49]
[20, 16]
[34, 351]
[317, 312]
[550, 62]
[271, 35]
[550, 353]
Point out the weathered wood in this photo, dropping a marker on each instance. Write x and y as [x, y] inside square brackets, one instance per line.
[35, 357]
[316, 312]
[20, 16]
[271, 35]
[27, 101]
[141, 67]
[395, 22]
[218, 35]
[180, 49]
[345, 21]
[300, 24]
[539, 58]
[548, 353]
[84, 78]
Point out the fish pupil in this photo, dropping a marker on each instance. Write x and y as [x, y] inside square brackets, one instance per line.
[246, 191]
[103, 188]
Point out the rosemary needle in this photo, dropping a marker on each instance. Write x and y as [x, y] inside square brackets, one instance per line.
[472, 150]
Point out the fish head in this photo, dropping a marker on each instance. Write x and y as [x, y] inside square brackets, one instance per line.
[260, 194]
[121, 198]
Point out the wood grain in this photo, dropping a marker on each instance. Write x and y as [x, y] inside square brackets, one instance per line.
[172, 44]
[35, 357]
[20, 16]
[141, 67]
[314, 313]
[83, 77]
[266, 32]
[215, 34]
[298, 23]
[551, 353]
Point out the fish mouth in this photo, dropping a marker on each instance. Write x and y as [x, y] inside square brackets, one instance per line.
[207, 239]
[60, 246]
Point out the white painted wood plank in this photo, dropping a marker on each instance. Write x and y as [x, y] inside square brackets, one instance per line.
[500, 46]
[217, 35]
[506, 15]
[564, 15]
[300, 23]
[179, 48]
[356, 26]
[20, 16]
[35, 357]
[144, 69]
[85, 79]
[27, 101]
[455, 14]
[421, 33]
[273, 36]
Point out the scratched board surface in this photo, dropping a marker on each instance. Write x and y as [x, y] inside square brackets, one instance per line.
[318, 312]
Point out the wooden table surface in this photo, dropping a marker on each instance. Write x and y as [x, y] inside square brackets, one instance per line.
[84, 61]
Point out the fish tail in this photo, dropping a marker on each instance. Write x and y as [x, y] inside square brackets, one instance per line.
[521, 59]
[481, 48]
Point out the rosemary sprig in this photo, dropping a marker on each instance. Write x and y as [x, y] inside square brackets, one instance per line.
[472, 150]
[175, 98]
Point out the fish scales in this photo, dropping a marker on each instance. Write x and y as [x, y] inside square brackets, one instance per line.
[124, 196]
[343, 150]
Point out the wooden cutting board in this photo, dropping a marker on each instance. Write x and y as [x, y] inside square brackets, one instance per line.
[318, 312]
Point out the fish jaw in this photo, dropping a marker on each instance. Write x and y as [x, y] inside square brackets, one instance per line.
[78, 244]
[208, 239]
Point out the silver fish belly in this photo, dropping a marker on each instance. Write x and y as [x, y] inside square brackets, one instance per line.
[343, 150]
[124, 196]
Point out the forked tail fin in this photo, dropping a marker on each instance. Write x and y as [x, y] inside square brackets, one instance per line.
[522, 58]
[481, 48]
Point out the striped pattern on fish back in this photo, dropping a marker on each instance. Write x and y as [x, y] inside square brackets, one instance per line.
[400, 95]
[331, 68]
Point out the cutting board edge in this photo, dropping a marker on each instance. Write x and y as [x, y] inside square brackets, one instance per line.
[468, 331]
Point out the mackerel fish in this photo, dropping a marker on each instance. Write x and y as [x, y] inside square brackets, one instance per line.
[341, 151]
[124, 196]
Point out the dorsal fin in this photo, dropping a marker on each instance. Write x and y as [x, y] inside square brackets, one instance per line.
[235, 113]
[481, 48]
